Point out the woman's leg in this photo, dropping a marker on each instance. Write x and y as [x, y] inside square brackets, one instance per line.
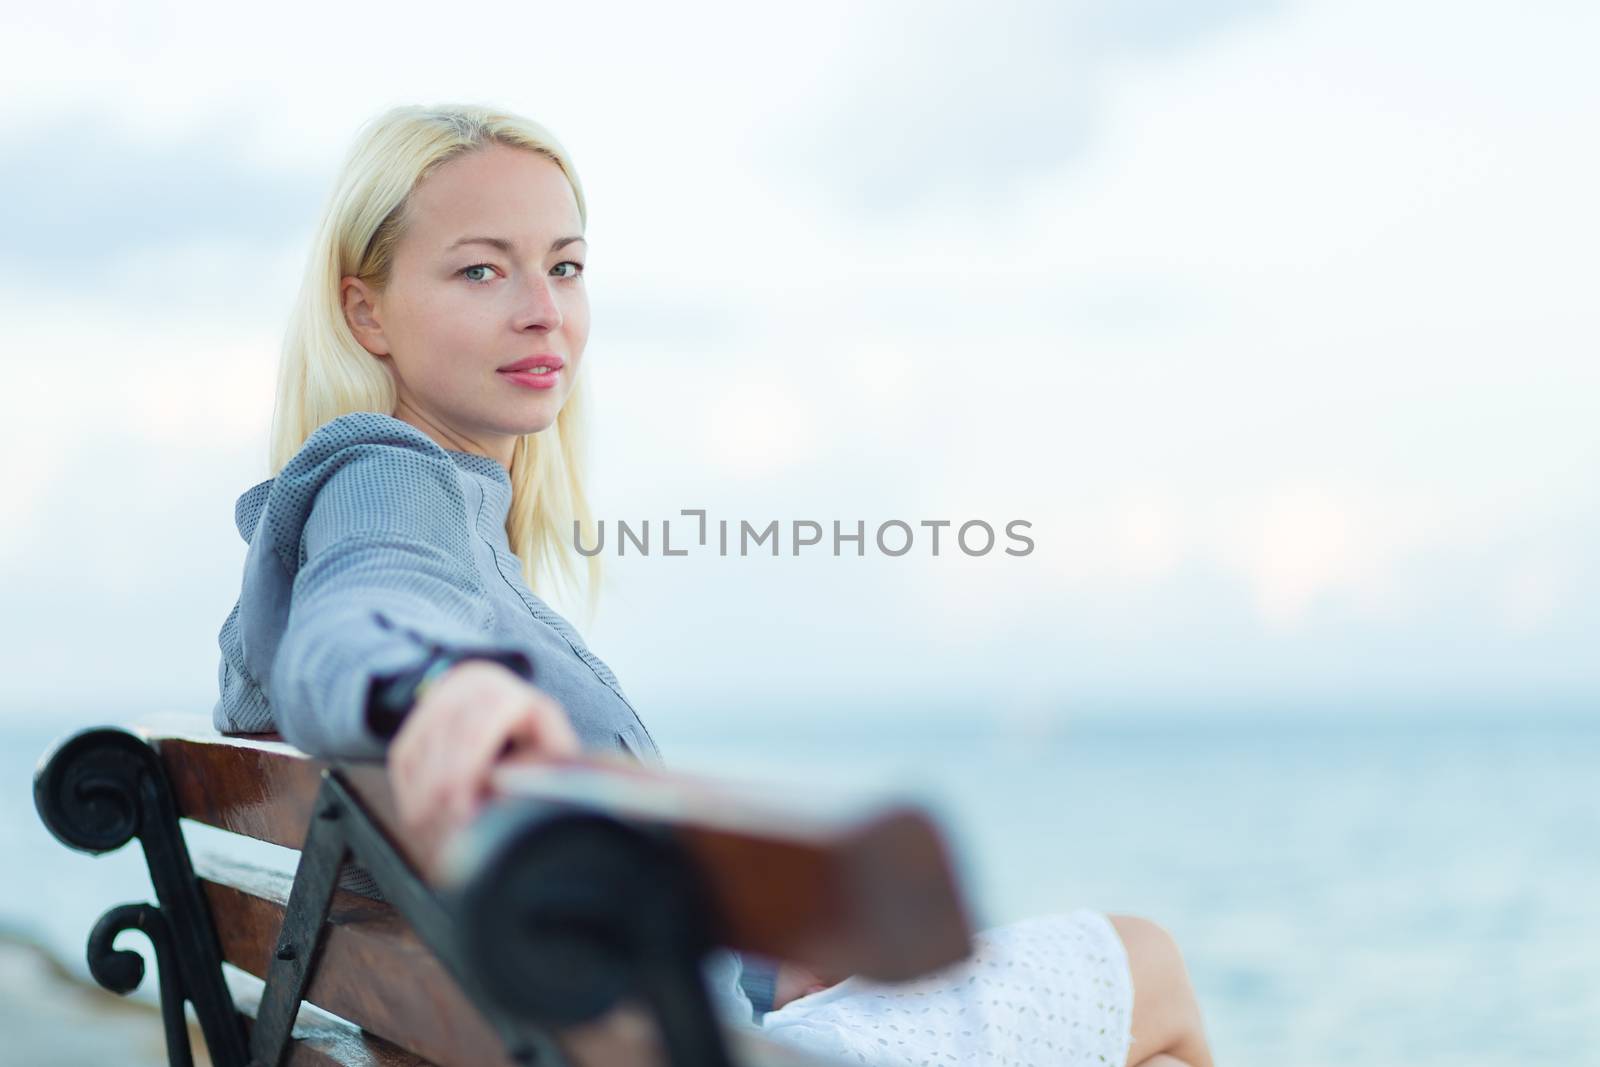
[1167, 1028]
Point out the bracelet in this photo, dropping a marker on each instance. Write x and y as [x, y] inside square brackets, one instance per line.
[435, 670]
[391, 698]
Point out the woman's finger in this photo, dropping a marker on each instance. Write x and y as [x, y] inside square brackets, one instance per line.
[544, 729]
[470, 753]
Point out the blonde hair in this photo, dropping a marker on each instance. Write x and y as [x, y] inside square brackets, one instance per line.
[324, 372]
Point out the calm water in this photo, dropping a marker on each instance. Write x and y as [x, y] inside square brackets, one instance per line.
[1356, 889]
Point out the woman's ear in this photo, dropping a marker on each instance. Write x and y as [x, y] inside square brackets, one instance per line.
[360, 312]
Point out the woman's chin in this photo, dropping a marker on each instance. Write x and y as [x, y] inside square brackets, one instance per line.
[532, 422]
[527, 415]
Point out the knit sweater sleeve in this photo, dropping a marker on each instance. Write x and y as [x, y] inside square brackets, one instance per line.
[369, 523]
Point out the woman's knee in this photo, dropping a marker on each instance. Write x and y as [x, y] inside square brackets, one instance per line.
[1166, 1013]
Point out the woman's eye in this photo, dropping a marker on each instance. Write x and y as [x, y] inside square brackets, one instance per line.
[466, 272]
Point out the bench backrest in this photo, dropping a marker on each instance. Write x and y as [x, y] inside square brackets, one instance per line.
[865, 891]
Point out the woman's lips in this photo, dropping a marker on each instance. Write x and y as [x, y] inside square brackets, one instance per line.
[528, 379]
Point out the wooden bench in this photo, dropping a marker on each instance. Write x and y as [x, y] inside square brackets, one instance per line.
[567, 925]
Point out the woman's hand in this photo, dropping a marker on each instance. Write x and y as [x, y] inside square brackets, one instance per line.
[475, 715]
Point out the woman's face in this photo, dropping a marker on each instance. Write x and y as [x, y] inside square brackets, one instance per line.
[488, 273]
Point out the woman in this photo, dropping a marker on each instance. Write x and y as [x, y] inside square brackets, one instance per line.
[427, 444]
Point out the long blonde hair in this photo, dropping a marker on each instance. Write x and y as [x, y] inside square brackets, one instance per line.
[324, 372]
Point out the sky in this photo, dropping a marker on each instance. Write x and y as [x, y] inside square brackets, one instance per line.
[1273, 321]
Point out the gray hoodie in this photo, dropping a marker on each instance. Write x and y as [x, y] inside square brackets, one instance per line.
[371, 545]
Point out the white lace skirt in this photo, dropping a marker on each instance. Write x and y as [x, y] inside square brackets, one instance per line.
[1049, 991]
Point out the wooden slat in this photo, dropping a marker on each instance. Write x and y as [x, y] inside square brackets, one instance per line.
[876, 900]
[320, 1039]
[373, 971]
[259, 788]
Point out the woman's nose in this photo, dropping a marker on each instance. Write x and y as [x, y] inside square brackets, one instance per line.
[539, 307]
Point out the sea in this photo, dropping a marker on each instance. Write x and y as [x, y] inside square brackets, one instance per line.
[1372, 888]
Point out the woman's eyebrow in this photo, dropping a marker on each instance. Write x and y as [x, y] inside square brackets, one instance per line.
[509, 246]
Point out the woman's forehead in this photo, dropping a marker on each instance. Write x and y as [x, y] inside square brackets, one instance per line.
[511, 194]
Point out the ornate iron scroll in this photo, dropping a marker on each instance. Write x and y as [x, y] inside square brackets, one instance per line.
[96, 791]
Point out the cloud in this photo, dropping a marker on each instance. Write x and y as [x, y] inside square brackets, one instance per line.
[82, 196]
[949, 106]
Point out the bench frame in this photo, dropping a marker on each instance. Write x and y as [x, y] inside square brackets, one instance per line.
[100, 788]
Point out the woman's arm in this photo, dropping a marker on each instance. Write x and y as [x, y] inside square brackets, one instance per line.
[377, 538]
